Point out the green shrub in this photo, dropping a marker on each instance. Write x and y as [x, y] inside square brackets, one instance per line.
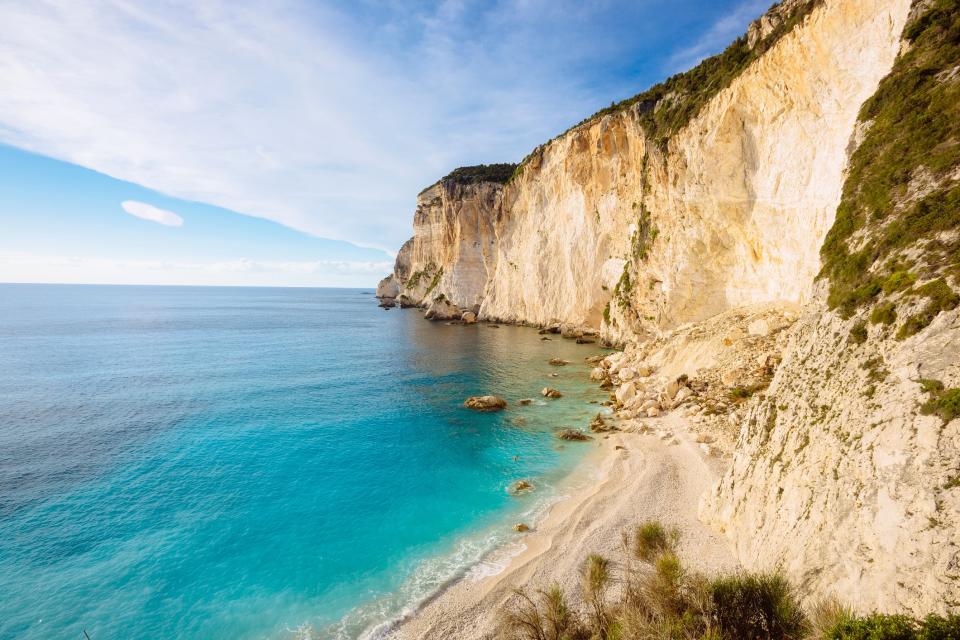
[876, 627]
[651, 540]
[858, 333]
[757, 607]
[945, 404]
[915, 125]
[884, 313]
[936, 627]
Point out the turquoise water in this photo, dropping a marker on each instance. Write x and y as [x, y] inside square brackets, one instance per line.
[188, 463]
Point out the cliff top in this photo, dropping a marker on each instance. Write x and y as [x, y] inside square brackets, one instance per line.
[668, 106]
[498, 173]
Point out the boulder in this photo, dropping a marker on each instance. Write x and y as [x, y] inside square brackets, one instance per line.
[551, 393]
[558, 362]
[598, 424]
[387, 303]
[644, 371]
[485, 403]
[441, 309]
[598, 374]
[572, 435]
[682, 394]
[594, 360]
[626, 392]
[625, 374]
[653, 412]
[759, 328]
[469, 317]
[521, 527]
[520, 486]
[569, 330]
[671, 389]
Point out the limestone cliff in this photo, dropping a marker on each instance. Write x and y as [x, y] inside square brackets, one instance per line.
[812, 168]
[448, 259]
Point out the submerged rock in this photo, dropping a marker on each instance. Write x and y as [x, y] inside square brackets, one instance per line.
[520, 487]
[525, 401]
[558, 362]
[572, 435]
[485, 403]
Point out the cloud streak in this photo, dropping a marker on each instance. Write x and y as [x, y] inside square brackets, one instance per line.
[149, 212]
[325, 117]
[719, 35]
[28, 267]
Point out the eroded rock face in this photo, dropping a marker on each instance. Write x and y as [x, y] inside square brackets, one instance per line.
[839, 479]
[449, 254]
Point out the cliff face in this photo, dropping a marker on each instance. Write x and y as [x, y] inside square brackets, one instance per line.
[661, 218]
[452, 246]
[851, 455]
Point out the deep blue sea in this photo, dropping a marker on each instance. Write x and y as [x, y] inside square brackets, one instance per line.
[202, 463]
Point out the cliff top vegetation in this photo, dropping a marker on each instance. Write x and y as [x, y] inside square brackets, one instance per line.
[896, 237]
[667, 107]
[499, 173]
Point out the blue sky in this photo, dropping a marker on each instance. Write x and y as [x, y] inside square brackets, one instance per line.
[289, 138]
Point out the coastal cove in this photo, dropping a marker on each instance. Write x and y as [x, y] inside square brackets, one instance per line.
[199, 462]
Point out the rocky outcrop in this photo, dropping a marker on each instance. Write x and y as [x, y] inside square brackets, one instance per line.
[453, 237]
[485, 403]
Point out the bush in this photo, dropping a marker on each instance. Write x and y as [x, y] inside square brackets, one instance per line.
[757, 607]
[660, 600]
[945, 404]
[547, 618]
[876, 627]
[651, 540]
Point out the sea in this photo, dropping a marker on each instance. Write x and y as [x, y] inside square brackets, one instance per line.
[221, 462]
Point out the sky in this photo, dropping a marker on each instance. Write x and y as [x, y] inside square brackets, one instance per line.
[283, 143]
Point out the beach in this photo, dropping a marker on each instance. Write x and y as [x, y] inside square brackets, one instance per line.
[649, 470]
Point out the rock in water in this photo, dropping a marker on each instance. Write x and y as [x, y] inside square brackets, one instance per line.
[558, 362]
[469, 317]
[485, 403]
[551, 393]
[572, 435]
[441, 309]
[521, 527]
[520, 487]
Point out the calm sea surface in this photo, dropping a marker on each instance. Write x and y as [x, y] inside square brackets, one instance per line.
[199, 463]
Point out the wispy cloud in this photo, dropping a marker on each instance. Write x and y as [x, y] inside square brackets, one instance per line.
[28, 267]
[149, 212]
[718, 36]
[325, 117]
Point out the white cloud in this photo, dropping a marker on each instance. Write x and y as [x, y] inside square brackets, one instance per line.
[149, 212]
[292, 111]
[325, 120]
[28, 267]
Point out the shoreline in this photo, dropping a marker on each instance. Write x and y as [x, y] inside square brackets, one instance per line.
[630, 475]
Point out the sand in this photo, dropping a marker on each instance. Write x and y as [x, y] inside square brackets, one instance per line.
[628, 478]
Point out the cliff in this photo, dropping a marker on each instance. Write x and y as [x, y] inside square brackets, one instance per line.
[779, 225]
